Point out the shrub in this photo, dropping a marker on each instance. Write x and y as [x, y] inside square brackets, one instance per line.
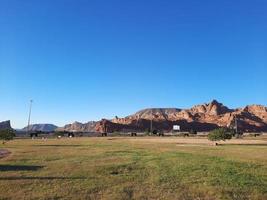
[133, 134]
[186, 134]
[7, 135]
[193, 132]
[59, 133]
[161, 133]
[147, 132]
[219, 134]
[34, 134]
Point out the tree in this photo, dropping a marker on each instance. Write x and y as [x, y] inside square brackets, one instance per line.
[7, 135]
[219, 134]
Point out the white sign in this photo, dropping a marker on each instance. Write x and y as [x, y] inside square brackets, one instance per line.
[176, 127]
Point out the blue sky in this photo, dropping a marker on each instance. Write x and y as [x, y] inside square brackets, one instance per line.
[86, 60]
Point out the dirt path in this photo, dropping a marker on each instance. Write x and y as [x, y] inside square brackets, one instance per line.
[4, 153]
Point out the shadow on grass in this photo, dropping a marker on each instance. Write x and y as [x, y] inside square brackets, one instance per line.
[20, 167]
[10, 178]
[242, 145]
[59, 145]
[4, 153]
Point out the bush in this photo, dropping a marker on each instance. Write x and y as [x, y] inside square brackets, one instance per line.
[34, 134]
[219, 134]
[193, 132]
[7, 135]
[133, 134]
[59, 133]
[161, 133]
[186, 134]
[147, 131]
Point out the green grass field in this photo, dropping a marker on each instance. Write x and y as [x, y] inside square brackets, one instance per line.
[129, 168]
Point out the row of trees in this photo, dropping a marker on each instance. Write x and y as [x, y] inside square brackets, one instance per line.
[215, 135]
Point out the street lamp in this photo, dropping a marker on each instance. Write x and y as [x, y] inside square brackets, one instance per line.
[29, 118]
[151, 122]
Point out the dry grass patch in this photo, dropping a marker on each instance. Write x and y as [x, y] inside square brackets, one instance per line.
[132, 168]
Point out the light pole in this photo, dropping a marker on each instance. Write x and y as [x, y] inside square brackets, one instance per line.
[29, 118]
[151, 122]
[236, 127]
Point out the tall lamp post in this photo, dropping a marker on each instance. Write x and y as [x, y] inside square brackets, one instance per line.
[29, 118]
[151, 122]
[236, 127]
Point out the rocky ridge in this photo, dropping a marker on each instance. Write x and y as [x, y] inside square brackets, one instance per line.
[203, 117]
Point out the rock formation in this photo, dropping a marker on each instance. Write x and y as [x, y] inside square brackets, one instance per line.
[79, 127]
[204, 117]
[5, 125]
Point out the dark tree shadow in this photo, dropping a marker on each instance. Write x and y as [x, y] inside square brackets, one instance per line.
[243, 144]
[59, 145]
[4, 153]
[20, 167]
[10, 178]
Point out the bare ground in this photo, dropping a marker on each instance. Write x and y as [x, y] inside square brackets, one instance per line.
[4, 153]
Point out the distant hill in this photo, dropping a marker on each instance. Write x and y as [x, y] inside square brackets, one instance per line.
[5, 125]
[41, 127]
[79, 127]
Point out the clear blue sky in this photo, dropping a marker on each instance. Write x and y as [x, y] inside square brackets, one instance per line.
[82, 60]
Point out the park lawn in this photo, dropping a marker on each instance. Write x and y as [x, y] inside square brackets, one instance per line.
[125, 168]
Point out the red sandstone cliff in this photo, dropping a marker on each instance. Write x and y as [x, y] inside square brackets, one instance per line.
[204, 117]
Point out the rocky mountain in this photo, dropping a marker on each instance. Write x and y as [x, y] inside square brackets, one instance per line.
[204, 117]
[79, 127]
[41, 127]
[5, 125]
[148, 114]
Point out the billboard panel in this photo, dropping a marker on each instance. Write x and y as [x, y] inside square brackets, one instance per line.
[176, 127]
